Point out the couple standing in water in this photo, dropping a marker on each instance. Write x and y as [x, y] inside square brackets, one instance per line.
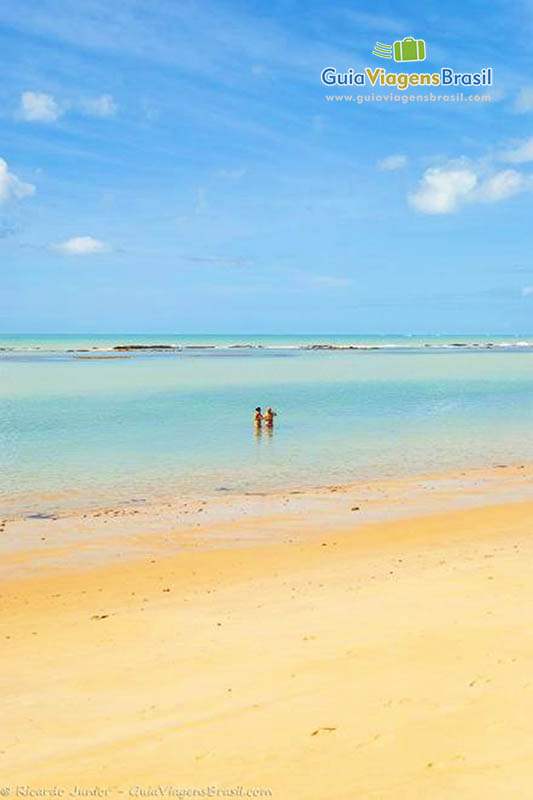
[267, 417]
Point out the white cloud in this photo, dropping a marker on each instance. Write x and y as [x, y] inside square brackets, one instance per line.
[440, 191]
[527, 291]
[502, 185]
[524, 100]
[392, 162]
[39, 107]
[102, 106]
[42, 107]
[11, 187]
[81, 246]
[520, 154]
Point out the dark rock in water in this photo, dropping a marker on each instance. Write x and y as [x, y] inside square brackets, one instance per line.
[339, 347]
[145, 347]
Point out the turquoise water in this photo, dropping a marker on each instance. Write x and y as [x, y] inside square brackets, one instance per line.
[181, 421]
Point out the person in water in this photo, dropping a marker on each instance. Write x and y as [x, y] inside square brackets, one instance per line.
[268, 416]
[258, 417]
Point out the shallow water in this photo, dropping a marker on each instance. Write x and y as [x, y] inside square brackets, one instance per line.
[158, 423]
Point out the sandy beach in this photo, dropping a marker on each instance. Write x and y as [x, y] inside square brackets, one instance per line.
[369, 641]
[266, 400]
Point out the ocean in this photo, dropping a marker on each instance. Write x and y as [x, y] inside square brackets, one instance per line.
[78, 426]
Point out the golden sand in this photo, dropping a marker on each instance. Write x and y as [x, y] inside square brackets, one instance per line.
[306, 654]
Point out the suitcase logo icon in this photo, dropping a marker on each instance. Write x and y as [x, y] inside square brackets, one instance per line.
[410, 49]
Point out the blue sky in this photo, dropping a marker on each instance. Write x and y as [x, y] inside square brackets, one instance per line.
[175, 166]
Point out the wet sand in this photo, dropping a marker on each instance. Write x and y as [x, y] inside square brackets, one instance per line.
[353, 642]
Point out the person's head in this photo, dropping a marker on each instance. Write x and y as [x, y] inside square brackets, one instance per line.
[269, 410]
[258, 409]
